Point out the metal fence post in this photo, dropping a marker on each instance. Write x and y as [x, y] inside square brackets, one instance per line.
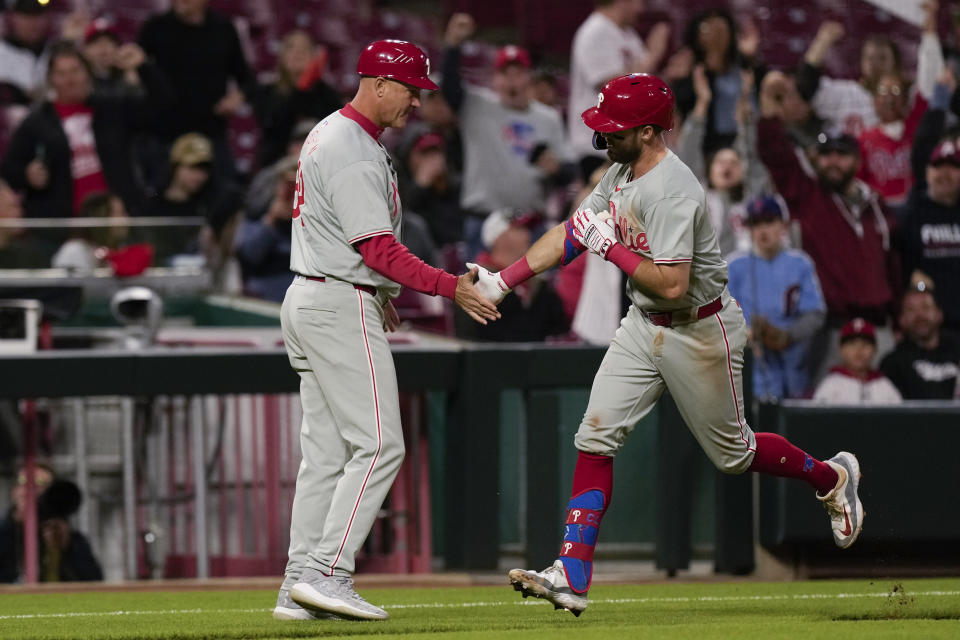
[198, 437]
[129, 490]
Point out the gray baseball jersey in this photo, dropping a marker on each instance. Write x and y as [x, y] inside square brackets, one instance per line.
[346, 191]
[662, 216]
[350, 439]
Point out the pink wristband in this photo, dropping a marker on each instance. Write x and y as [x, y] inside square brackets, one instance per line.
[626, 260]
[516, 273]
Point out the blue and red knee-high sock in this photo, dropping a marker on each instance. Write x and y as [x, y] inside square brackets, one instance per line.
[592, 488]
[776, 456]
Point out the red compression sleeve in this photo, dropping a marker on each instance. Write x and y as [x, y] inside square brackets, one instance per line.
[627, 260]
[516, 273]
[385, 255]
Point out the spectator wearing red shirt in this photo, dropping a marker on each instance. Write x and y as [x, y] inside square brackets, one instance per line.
[885, 148]
[79, 143]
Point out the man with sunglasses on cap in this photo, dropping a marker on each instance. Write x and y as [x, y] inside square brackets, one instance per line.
[349, 264]
[843, 225]
[683, 332]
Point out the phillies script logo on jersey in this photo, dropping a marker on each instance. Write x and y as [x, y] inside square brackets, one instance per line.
[626, 234]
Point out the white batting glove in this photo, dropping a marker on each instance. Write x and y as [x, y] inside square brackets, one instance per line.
[489, 283]
[594, 231]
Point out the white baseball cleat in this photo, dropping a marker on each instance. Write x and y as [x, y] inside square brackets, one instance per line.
[333, 595]
[843, 503]
[550, 584]
[287, 609]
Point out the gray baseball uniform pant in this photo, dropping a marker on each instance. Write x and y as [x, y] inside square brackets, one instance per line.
[700, 362]
[350, 438]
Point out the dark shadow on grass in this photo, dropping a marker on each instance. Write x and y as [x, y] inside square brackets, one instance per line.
[909, 615]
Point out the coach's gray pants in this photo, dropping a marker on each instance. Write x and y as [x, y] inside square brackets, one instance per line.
[350, 438]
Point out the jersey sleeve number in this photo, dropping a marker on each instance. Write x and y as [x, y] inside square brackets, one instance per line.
[298, 195]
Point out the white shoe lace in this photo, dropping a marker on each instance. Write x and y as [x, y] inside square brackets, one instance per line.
[555, 573]
[346, 584]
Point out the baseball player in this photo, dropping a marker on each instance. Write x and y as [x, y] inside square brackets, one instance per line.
[349, 264]
[683, 332]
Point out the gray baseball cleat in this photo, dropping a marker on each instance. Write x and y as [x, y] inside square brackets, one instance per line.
[333, 595]
[287, 609]
[843, 503]
[550, 584]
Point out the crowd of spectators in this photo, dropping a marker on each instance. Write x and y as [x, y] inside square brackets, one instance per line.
[836, 201]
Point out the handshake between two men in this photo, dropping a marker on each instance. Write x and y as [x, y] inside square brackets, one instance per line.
[585, 230]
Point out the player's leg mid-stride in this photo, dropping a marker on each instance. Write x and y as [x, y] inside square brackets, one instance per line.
[566, 582]
[683, 333]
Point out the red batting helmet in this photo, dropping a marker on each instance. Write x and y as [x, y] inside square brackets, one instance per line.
[397, 60]
[631, 101]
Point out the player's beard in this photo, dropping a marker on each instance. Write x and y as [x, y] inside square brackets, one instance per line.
[624, 154]
[836, 181]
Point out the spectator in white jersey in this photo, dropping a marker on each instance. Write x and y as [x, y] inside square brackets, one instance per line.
[855, 381]
[514, 148]
[605, 46]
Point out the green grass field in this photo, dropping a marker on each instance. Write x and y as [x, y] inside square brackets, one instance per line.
[845, 610]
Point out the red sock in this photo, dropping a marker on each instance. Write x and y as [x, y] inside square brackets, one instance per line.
[593, 472]
[777, 457]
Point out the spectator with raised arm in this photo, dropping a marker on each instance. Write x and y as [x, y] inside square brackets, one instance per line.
[843, 225]
[199, 52]
[734, 175]
[849, 104]
[713, 39]
[886, 146]
[605, 46]
[77, 142]
[514, 148]
[780, 296]
[928, 231]
[925, 365]
[429, 187]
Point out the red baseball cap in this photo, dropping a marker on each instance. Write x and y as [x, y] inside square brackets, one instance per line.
[398, 60]
[945, 152]
[429, 140]
[101, 27]
[858, 328]
[630, 101]
[512, 54]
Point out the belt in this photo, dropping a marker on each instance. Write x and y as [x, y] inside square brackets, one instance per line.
[359, 287]
[682, 316]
